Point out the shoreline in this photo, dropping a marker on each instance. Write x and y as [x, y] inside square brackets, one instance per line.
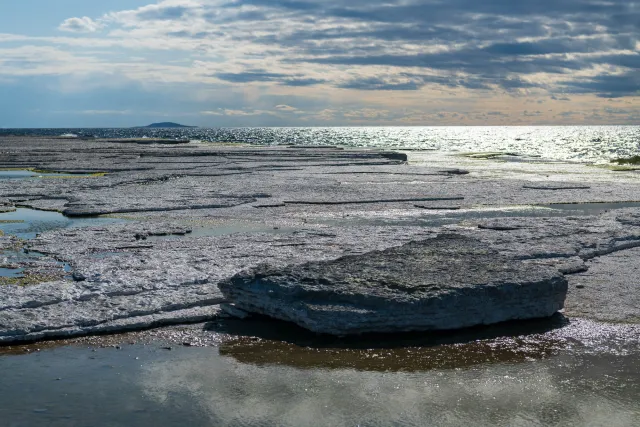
[146, 261]
[306, 204]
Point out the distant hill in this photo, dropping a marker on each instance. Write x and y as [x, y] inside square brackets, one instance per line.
[167, 125]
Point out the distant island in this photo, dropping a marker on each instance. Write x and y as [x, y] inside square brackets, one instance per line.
[167, 125]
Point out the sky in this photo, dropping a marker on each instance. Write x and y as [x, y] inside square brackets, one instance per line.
[119, 63]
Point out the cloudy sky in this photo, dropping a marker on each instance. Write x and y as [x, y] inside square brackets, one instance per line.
[77, 63]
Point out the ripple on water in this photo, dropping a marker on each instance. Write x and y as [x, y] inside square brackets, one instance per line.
[268, 373]
[577, 143]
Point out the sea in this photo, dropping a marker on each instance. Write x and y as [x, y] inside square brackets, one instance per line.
[588, 144]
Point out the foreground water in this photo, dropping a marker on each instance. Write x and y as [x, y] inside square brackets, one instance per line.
[577, 143]
[584, 374]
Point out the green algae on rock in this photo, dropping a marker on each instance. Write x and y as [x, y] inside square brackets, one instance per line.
[633, 160]
[29, 279]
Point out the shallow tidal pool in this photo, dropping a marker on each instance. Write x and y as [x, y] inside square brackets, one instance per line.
[581, 374]
[28, 223]
[28, 173]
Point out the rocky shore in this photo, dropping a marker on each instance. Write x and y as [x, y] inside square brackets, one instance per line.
[302, 233]
[447, 282]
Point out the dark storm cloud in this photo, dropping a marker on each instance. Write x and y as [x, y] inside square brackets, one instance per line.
[250, 76]
[494, 43]
[374, 83]
[302, 82]
[163, 14]
[410, 81]
[399, 11]
[547, 47]
[607, 86]
[263, 76]
[629, 61]
[474, 61]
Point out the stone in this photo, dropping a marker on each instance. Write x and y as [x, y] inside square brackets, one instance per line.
[455, 172]
[609, 290]
[78, 277]
[144, 269]
[394, 155]
[438, 208]
[372, 201]
[557, 187]
[232, 311]
[448, 282]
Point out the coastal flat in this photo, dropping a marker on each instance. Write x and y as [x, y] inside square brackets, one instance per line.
[182, 218]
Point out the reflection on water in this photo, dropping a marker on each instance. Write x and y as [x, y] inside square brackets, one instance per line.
[581, 374]
[17, 174]
[27, 223]
[590, 208]
[226, 228]
[11, 272]
[26, 173]
[17, 263]
[440, 217]
[404, 359]
[580, 143]
[559, 391]
[267, 342]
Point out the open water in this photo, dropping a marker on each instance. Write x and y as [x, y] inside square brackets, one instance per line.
[574, 143]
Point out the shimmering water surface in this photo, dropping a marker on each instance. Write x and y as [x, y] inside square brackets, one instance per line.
[224, 229]
[576, 143]
[583, 374]
[443, 216]
[26, 174]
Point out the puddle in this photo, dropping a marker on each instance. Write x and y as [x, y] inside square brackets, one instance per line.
[226, 228]
[25, 259]
[582, 374]
[12, 272]
[439, 217]
[590, 208]
[25, 174]
[28, 223]
[285, 344]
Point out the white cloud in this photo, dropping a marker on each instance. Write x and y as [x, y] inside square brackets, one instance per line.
[285, 108]
[377, 61]
[81, 25]
[237, 113]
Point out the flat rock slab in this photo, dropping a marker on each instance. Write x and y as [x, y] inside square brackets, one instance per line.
[370, 201]
[447, 282]
[609, 290]
[556, 187]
